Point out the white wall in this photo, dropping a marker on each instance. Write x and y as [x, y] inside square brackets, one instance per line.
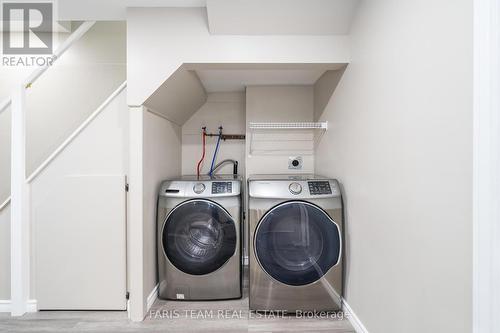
[279, 104]
[156, 49]
[221, 109]
[155, 155]
[323, 90]
[161, 160]
[400, 144]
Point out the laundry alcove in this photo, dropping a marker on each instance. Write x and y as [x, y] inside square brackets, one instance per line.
[234, 97]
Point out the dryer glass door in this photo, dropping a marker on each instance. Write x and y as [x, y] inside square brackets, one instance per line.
[199, 236]
[296, 243]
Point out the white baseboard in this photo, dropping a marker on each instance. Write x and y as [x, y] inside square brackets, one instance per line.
[5, 305]
[129, 315]
[32, 305]
[353, 318]
[153, 296]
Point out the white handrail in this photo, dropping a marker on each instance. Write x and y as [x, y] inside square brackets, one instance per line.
[5, 104]
[75, 36]
[76, 132]
[5, 203]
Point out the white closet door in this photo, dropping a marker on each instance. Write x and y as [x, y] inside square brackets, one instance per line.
[80, 244]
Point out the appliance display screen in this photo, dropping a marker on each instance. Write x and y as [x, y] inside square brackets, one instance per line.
[319, 187]
[222, 187]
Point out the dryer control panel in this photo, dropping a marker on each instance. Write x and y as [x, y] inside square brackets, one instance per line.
[319, 187]
[292, 187]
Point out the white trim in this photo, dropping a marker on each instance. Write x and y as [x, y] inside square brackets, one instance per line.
[353, 318]
[135, 232]
[4, 204]
[152, 297]
[5, 104]
[19, 213]
[486, 167]
[74, 37]
[6, 305]
[76, 132]
[32, 305]
[128, 310]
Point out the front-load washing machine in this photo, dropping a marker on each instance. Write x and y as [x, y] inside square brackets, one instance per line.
[295, 243]
[199, 228]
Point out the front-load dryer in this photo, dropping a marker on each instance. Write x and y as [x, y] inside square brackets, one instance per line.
[199, 254]
[295, 243]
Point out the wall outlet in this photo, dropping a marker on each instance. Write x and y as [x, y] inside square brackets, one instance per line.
[295, 162]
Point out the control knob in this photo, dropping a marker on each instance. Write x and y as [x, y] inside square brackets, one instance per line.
[295, 188]
[199, 188]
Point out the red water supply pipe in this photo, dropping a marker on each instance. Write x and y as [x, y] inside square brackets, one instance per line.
[203, 135]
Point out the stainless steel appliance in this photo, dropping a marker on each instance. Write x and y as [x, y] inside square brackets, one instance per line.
[199, 247]
[295, 243]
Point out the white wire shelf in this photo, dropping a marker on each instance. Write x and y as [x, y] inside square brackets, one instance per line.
[300, 125]
[280, 144]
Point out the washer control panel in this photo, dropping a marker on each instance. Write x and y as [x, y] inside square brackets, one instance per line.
[222, 187]
[319, 187]
[204, 186]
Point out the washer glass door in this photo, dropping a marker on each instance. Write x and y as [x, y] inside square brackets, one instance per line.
[199, 236]
[296, 243]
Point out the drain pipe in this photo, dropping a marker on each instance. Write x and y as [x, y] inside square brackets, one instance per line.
[221, 163]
